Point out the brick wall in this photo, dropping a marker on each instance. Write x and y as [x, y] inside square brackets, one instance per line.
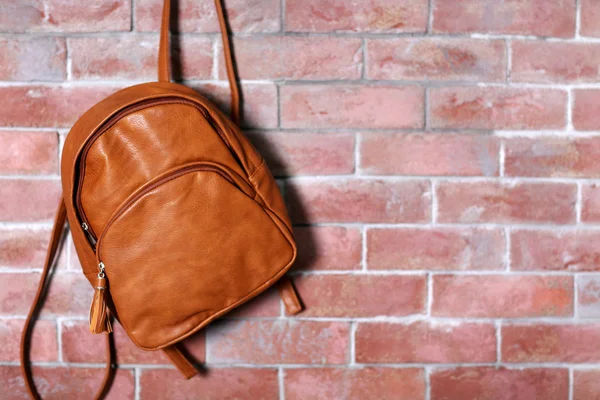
[440, 160]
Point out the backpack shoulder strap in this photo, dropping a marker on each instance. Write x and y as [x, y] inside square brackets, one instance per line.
[164, 69]
[55, 240]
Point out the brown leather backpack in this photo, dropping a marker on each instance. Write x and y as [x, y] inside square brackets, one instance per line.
[175, 217]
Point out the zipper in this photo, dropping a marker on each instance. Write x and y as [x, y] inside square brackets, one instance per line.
[92, 238]
[154, 184]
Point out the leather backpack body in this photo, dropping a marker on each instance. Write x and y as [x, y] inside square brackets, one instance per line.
[175, 217]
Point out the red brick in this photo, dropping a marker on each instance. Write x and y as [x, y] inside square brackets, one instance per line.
[80, 346]
[506, 202]
[358, 200]
[23, 248]
[65, 16]
[278, 342]
[354, 383]
[499, 383]
[29, 200]
[551, 343]
[215, 384]
[553, 62]
[553, 157]
[391, 16]
[43, 342]
[306, 153]
[435, 249]
[425, 342]
[200, 15]
[433, 59]
[260, 112]
[360, 295]
[428, 154]
[590, 203]
[588, 296]
[351, 106]
[497, 108]
[586, 109]
[135, 57]
[68, 295]
[295, 57]
[502, 296]
[586, 384]
[551, 250]
[525, 17]
[48, 106]
[590, 13]
[66, 383]
[328, 248]
[267, 304]
[28, 152]
[33, 58]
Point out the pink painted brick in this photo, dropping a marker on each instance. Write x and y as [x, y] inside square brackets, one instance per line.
[499, 383]
[44, 346]
[358, 200]
[436, 59]
[135, 57]
[29, 200]
[425, 342]
[586, 384]
[435, 249]
[268, 304]
[390, 16]
[308, 153]
[66, 383]
[65, 16]
[525, 17]
[80, 346]
[354, 383]
[468, 202]
[260, 109]
[68, 295]
[246, 16]
[215, 384]
[28, 152]
[551, 250]
[33, 58]
[551, 343]
[553, 62]
[553, 157]
[295, 57]
[328, 248]
[497, 108]
[48, 106]
[23, 248]
[502, 296]
[268, 342]
[586, 109]
[590, 13]
[590, 203]
[588, 296]
[351, 106]
[361, 296]
[428, 154]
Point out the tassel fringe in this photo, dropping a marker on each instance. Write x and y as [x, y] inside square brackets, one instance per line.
[99, 314]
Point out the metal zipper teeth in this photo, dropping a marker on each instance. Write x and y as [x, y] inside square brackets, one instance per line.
[154, 185]
[109, 124]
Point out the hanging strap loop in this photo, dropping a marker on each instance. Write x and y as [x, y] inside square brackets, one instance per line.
[164, 69]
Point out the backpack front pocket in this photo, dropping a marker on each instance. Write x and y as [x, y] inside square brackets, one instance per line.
[186, 247]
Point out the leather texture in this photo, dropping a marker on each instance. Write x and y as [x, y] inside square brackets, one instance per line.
[175, 217]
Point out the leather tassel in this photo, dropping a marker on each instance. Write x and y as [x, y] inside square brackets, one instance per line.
[99, 317]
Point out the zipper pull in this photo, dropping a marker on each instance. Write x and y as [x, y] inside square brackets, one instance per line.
[99, 315]
[86, 228]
